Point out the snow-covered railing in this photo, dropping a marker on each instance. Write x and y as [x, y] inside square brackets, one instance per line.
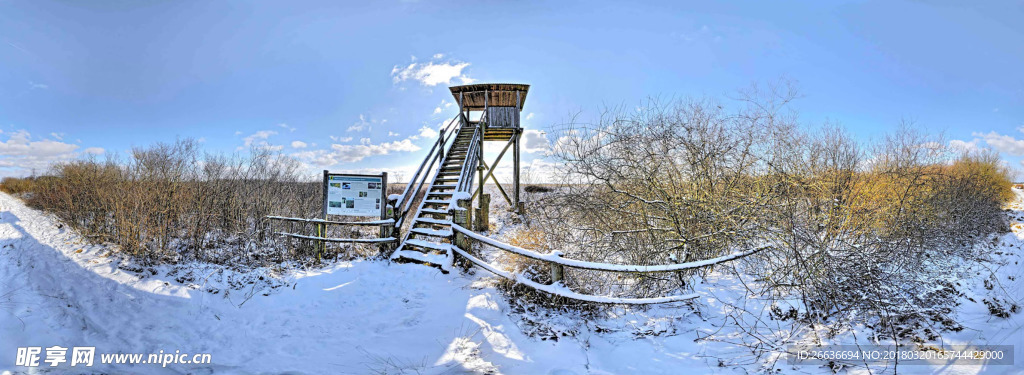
[320, 227]
[462, 236]
[556, 257]
[560, 290]
[470, 165]
[403, 203]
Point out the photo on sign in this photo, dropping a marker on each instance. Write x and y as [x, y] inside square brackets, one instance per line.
[378, 206]
[346, 185]
[373, 185]
[334, 204]
[362, 194]
[350, 204]
[336, 184]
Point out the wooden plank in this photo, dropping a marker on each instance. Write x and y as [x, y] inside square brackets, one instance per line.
[346, 240]
[322, 221]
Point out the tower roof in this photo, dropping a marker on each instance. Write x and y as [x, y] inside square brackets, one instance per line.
[501, 95]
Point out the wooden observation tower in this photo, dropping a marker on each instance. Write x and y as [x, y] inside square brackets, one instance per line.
[494, 109]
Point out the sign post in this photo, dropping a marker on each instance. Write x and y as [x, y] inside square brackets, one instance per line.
[356, 195]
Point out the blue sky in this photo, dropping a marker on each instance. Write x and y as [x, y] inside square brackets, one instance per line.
[363, 85]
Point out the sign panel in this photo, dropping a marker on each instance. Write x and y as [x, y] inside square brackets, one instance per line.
[354, 195]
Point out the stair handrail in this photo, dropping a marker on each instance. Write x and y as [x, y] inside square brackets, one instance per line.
[469, 166]
[437, 152]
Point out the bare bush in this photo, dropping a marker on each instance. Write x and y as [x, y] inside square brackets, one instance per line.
[859, 231]
[170, 202]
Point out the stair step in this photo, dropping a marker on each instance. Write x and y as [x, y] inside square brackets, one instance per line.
[427, 244]
[434, 201]
[445, 233]
[442, 261]
[433, 211]
[441, 193]
[432, 221]
[444, 186]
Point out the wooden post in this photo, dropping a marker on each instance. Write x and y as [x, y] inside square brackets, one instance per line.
[483, 213]
[557, 270]
[392, 229]
[321, 229]
[461, 215]
[482, 126]
[517, 205]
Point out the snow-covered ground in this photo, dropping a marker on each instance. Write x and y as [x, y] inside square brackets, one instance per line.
[361, 317]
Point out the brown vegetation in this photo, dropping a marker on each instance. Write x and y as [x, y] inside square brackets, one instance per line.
[853, 227]
[170, 203]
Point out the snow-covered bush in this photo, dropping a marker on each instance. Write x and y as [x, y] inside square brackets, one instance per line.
[859, 231]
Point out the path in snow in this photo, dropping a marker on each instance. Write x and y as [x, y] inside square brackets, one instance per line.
[360, 317]
[355, 318]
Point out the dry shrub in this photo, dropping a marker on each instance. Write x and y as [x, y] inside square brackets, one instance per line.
[527, 238]
[171, 203]
[855, 227]
[524, 297]
[17, 186]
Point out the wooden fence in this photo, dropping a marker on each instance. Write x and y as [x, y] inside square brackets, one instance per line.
[386, 239]
[462, 243]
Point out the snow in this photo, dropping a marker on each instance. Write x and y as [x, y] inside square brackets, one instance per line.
[374, 317]
[460, 196]
[433, 221]
[443, 260]
[432, 232]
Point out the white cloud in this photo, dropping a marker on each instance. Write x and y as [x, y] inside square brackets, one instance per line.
[286, 126]
[437, 110]
[340, 139]
[360, 126]
[438, 56]
[704, 34]
[432, 73]
[427, 132]
[964, 146]
[392, 134]
[535, 141]
[57, 136]
[339, 153]
[1003, 143]
[259, 139]
[95, 150]
[529, 116]
[19, 154]
[298, 144]
[38, 85]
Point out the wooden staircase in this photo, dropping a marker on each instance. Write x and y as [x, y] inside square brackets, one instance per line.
[429, 237]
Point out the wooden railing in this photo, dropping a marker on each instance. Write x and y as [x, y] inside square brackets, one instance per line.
[386, 238]
[403, 203]
[462, 239]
